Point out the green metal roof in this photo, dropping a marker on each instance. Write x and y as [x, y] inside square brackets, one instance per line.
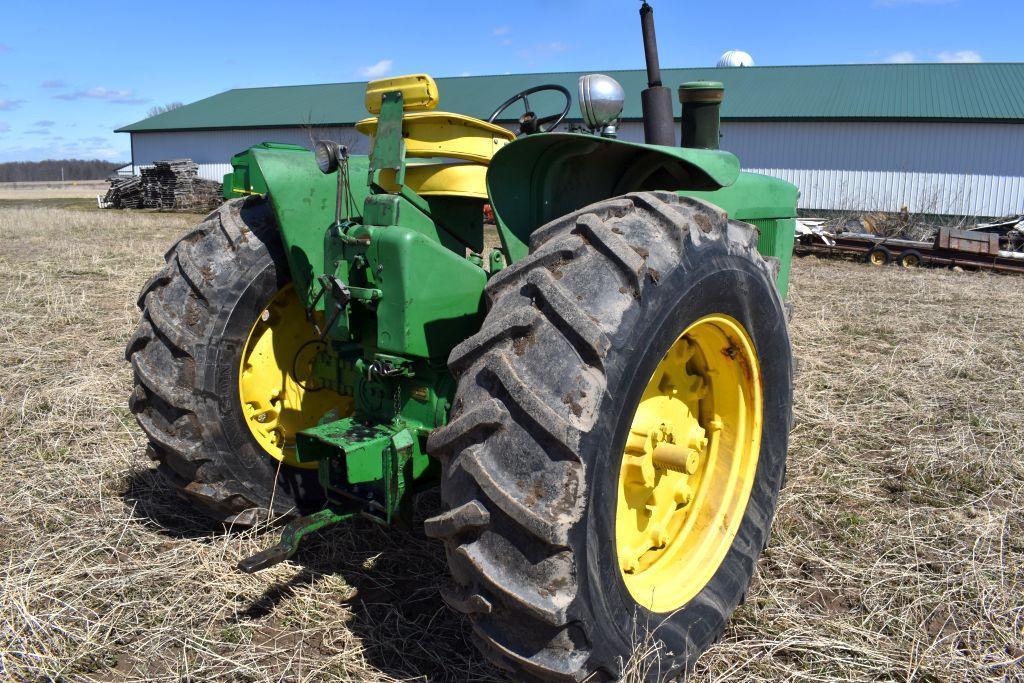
[855, 92]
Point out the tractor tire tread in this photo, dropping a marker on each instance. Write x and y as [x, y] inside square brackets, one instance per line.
[517, 559]
[169, 351]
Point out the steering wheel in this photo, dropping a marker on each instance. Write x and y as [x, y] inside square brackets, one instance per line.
[530, 123]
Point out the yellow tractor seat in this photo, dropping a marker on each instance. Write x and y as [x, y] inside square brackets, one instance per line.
[442, 134]
[448, 179]
[460, 146]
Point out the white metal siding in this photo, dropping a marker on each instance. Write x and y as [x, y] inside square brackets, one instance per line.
[950, 168]
[213, 149]
[954, 168]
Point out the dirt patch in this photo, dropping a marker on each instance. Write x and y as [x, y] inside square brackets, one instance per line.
[897, 551]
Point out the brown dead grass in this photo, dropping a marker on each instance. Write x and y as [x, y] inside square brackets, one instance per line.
[898, 551]
[53, 189]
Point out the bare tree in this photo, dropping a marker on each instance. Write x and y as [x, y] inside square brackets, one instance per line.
[163, 108]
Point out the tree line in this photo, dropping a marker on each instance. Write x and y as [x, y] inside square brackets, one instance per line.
[50, 169]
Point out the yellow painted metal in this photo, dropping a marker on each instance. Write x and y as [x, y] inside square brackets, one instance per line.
[458, 179]
[689, 464]
[910, 260]
[276, 406]
[877, 258]
[419, 92]
[446, 135]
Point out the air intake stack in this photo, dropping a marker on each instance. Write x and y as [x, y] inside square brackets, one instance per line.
[656, 100]
[702, 113]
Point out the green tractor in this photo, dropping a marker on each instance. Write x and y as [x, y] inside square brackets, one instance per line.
[602, 390]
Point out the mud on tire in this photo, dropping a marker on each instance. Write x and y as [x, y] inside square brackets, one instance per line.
[546, 392]
[185, 353]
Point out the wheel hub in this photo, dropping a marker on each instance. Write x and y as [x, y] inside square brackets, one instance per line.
[688, 464]
[275, 404]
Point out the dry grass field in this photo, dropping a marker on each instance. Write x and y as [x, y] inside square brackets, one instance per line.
[898, 552]
[53, 190]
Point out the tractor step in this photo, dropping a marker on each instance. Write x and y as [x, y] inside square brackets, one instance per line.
[291, 536]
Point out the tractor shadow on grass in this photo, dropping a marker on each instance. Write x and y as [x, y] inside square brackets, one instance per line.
[153, 502]
[393, 576]
[405, 628]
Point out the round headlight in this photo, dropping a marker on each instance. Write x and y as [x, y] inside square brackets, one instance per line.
[327, 153]
[601, 100]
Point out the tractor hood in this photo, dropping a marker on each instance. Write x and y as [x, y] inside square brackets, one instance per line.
[540, 177]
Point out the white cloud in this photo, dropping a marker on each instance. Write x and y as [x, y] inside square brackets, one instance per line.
[4, 127]
[947, 56]
[9, 105]
[501, 31]
[4, 47]
[377, 70]
[100, 93]
[959, 56]
[542, 50]
[53, 83]
[43, 124]
[903, 57]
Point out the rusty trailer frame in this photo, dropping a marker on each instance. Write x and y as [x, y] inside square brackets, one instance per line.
[964, 248]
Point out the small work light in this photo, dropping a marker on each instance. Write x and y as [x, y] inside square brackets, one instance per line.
[328, 154]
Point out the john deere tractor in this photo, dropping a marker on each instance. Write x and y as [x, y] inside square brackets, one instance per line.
[604, 396]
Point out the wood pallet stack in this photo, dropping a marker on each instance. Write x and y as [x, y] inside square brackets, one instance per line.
[168, 184]
[172, 185]
[124, 193]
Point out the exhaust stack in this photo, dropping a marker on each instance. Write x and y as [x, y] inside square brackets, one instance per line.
[656, 100]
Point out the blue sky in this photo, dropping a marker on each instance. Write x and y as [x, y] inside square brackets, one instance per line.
[71, 72]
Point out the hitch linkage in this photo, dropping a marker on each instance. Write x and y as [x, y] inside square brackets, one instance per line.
[291, 536]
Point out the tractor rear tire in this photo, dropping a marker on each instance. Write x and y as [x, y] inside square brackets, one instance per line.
[534, 450]
[197, 313]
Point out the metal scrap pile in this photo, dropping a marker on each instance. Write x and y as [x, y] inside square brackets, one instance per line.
[900, 225]
[916, 227]
[167, 185]
[1010, 231]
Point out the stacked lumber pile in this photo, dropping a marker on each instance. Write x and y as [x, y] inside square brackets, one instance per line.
[124, 193]
[171, 185]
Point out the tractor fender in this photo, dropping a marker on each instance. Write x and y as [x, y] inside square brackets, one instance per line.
[303, 199]
[538, 178]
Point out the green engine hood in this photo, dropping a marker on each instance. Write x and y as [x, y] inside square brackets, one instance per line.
[540, 177]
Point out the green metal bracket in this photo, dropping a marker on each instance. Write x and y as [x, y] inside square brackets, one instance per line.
[291, 536]
[496, 261]
[388, 143]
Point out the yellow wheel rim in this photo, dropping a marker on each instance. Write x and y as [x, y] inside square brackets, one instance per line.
[877, 258]
[689, 464]
[276, 406]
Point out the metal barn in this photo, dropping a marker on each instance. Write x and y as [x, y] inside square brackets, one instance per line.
[936, 138]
